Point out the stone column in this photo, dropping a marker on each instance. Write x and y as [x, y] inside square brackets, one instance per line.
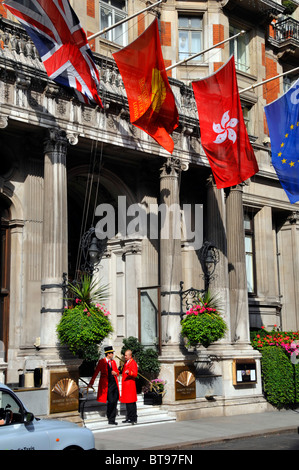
[216, 234]
[288, 239]
[237, 266]
[170, 255]
[55, 235]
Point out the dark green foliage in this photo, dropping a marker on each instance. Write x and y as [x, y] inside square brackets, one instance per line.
[204, 328]
[203, 323]
[280, 378]
[290, 7]
[146, 358]
[80, 329]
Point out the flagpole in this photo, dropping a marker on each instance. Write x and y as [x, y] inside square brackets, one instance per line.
[105, 30]
[204, 51]
[268, 80]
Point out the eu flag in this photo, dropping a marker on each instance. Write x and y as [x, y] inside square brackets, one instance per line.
[283, 122]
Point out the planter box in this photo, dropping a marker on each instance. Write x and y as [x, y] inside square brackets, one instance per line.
[152, 398]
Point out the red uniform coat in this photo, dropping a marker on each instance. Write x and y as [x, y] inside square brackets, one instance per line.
[103, 382]
[128, 385]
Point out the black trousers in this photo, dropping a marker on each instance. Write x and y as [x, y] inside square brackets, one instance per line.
[131, 411]
[112, 399]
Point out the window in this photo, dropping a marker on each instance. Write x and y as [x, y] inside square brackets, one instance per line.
[111, 12]
[10, 410]
[190, 36]
[288, 81]
[238, 47]
[246, 116]
[249, 253]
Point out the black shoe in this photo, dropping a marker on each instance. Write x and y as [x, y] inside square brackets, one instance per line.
[126, 421]
[113, 422]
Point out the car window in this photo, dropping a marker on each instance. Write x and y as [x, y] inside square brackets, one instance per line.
[10, 410]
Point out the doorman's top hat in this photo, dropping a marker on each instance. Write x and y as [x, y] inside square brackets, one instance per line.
[108, 349]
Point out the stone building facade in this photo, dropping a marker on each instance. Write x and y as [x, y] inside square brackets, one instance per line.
[61, 160]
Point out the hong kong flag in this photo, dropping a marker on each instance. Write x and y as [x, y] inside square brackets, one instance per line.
[151, 101]
[223, 132]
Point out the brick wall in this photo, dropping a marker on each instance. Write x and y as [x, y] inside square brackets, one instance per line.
[165, 33]
[90, 8]
[218, 34]
[271, 90]
[217, 65]
[92, 43]
[168, 63]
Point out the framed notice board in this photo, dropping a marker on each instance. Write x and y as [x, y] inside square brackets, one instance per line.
[244, 371]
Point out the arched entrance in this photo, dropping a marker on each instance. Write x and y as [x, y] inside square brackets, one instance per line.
[4, 274]
[85, 193]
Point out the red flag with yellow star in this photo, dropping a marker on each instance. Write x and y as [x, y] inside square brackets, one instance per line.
[151, 101]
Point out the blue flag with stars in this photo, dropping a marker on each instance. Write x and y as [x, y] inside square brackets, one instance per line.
[283, 123]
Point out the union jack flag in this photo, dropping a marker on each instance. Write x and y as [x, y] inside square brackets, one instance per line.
[62, 44]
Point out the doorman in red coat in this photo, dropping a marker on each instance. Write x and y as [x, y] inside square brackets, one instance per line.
[128, 388]
[108, 390]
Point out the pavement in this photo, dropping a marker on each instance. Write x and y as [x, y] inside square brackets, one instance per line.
[182, 435]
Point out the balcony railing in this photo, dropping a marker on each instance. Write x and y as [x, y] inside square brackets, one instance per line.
[286, 29]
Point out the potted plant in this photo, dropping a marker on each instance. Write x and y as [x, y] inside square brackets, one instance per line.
[147, 360]
[85, 323]
[153, 392]
[203, 323]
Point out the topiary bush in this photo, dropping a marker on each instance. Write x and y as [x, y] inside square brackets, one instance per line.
[280, 382]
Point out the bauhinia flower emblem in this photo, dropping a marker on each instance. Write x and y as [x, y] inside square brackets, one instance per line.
[224, 130]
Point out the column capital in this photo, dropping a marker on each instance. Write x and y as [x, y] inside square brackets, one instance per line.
[3, 121]
[56, 141]
[293, 218]
[238, 187]
[172, 167]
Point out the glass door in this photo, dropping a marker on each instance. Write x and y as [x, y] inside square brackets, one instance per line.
[149, 313]
[4, 282]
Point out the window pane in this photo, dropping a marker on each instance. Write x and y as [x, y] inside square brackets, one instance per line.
[109, 15]
[118, 32]
[190, 36]
[241, 53]
[195, 22]
[249, 273]
[238, 47]
[183, 45]
[248, 244]
[121, 5]
[183, 22]
[196, 42]
[106, 18]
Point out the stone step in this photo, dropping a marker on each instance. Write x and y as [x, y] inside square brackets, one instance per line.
[103, 426]
[94, 413]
